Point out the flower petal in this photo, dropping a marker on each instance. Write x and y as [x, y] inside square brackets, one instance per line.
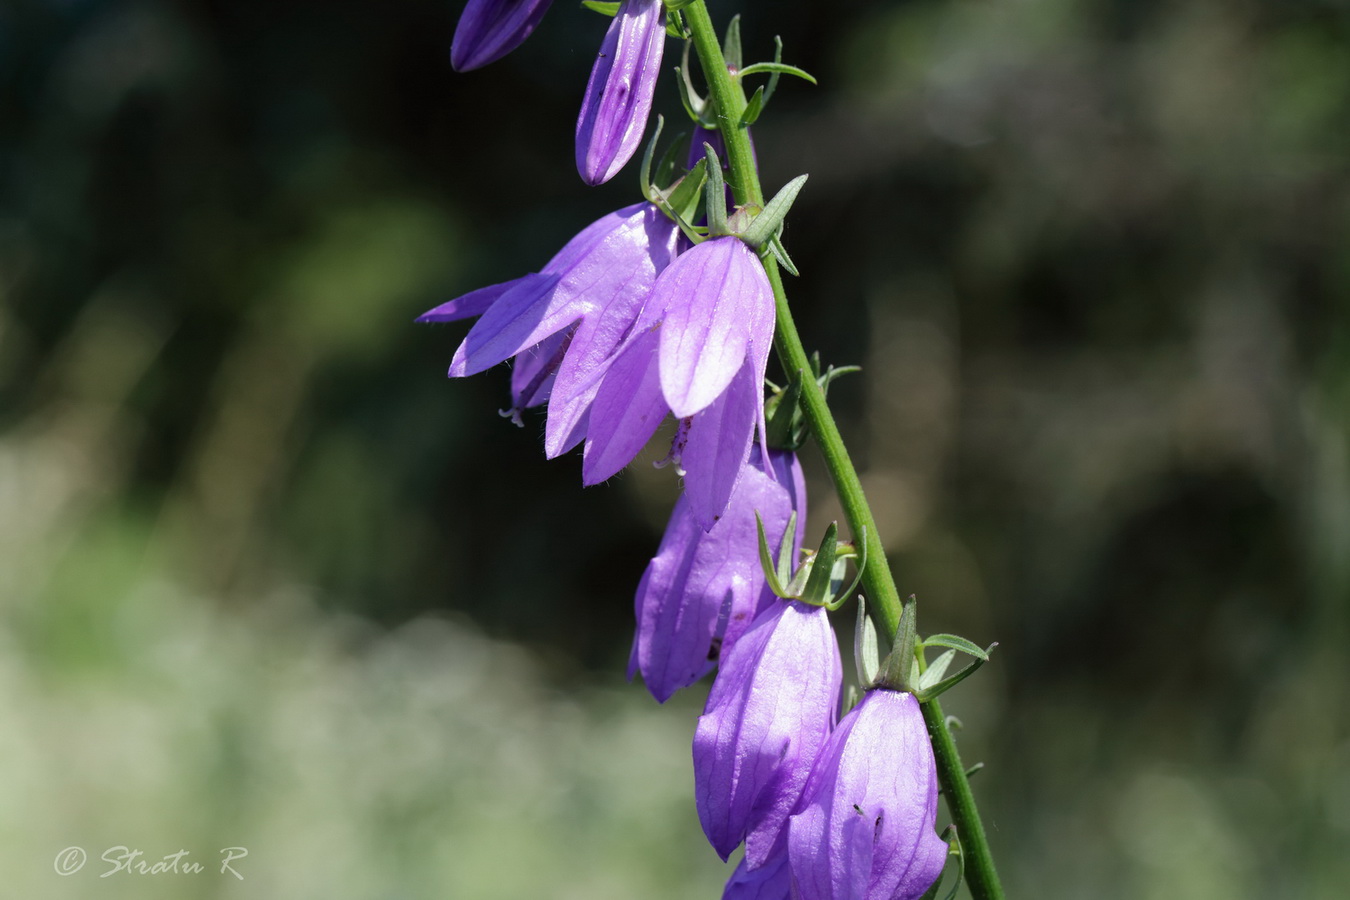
[626, 411]
[719, 444]
[618, 96]
[490, 29]
[713, 298]
[474, 303]
[772, 881]
[769, 714]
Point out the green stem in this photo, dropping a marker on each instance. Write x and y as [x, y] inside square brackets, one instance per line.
[878, 583]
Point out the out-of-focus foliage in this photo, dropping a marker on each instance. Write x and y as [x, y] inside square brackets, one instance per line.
[1089, 253]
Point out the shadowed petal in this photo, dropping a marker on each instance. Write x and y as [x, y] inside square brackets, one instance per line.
[719, 444]
[535, 369]
[490, 29]
[771, 881]
[475, 303]
[702, 590]
[619, 93]
[626, 411]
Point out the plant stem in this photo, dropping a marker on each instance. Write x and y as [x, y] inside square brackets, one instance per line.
[878, 583]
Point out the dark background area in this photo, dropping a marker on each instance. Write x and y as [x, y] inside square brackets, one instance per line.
[1090, 255]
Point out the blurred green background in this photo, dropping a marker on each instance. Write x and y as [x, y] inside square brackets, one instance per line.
[268, 579]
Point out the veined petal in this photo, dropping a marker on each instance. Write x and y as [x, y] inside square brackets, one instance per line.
[520, 318]
[490, 29]
[769, 714]
[719, 443]
[772, 881]
[535, 369]
[626, 411]
[475, 303]
[864, 829]
[714, 298]
[702, 589]
[619, 93]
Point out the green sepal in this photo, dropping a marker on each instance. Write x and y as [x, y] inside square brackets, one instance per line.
[773, 573]
[677, 5]
[685, 194]
[837, 579]
[782, 415]
[777, 68]
[767, 223]
[954, 642]
[898, 669]
[780, 253]
[693, 104]
[645, 170]
[866, 656]
[675, 25]
[715, 194]
[822, 568]
[604, 9]
[785, 548]
[731, 44]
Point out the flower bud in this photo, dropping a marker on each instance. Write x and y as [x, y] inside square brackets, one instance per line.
[490, 29]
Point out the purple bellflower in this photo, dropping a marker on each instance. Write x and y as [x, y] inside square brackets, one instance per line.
[619, 93]
[698, 350]
[769, 714]
[864, 827]
[563, 322]
[703, 589]
[490, 29]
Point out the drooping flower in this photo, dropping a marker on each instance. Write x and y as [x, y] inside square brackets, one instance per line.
[490, 29]
[565, 321]
[698, 350]
[769, 714]
[619, 93]
[703, 588]
[864, 827]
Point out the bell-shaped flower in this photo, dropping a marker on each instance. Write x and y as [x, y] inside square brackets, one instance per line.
[703, 588]
[619, 93]
[563, 322]
[490, 29]
[864, 829]
[699, 350]
[769, 714]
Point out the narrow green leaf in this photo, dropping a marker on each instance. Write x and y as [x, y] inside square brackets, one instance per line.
[604, 9]
[947, 684]
[675, 25]
[754, 107]
[685, 195]
[938, 669]
[646, 169]
[777, 68]
[958, 643]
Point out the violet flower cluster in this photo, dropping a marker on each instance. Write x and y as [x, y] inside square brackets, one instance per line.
[628, 322]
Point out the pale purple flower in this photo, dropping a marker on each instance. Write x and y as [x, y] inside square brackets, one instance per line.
[699, 350]
[562, 323]
[490, 29]
[769, 714]
[703, 588]
[864, 829]
[619, 93]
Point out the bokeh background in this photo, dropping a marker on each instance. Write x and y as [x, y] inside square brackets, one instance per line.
[268, 579]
